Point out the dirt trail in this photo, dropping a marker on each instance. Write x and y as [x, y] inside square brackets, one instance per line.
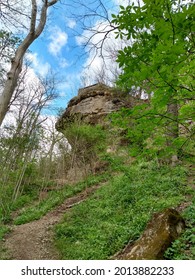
[34, 240]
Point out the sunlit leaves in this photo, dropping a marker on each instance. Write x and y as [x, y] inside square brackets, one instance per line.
[160, 42]
[160, 58]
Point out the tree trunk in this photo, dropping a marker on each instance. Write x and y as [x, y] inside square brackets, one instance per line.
[172, 128]
[16, 66]
[9, 88]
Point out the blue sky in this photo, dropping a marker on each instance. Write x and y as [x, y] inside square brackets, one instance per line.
[59, 47]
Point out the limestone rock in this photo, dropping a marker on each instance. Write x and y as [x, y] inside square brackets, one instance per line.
[161, 231]
[93, 103]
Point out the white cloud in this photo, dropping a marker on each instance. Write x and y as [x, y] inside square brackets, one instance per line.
[102, 50]
[71, 23]
[63, 63]
[122, 2]
[125, 3]
[95, 34]
[58, 40]
[38, 66]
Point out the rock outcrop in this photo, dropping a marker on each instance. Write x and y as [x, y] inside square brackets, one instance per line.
[160, 232]
[93, 103]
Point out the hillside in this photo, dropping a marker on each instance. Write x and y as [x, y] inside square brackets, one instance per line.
[111, 176]
[99, 217]
[106, 201]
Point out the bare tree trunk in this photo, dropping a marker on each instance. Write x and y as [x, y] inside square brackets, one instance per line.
[16, 64]
[172, 128]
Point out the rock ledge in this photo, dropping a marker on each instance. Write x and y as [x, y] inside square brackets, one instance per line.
[93, 103]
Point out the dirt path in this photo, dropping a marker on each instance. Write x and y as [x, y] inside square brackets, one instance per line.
[34, 240]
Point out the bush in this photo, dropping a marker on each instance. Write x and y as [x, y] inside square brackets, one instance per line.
[87, 141]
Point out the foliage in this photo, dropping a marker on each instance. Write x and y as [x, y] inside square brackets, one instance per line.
[55, 198]
[86, 142]
[3, 230]
[145, 130]
[25, 141]
[8, 45]
[118, 212]
[162, 47]
[30, 194]
[90, 137]
[160, 59]
[184, 247]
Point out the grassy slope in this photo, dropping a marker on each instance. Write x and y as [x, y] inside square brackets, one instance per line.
[118, 212]
[55, 198]
[29, 208]
[184, 247]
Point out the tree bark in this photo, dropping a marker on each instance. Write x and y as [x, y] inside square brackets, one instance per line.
[16, 64]
[172, 129]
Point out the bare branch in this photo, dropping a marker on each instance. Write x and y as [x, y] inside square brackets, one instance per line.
[33, 17]
[16, 65]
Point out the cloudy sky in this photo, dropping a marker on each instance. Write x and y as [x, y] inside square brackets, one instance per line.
[60, 47]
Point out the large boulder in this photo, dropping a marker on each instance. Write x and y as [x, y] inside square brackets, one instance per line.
[161, 231]
[93, 103]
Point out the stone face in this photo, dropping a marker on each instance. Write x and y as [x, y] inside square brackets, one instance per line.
[160, 232]
[93, 103]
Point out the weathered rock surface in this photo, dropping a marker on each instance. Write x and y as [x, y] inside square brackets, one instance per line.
[160, 232]
[93, 103]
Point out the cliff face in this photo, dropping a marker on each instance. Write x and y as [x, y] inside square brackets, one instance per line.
[93, 103]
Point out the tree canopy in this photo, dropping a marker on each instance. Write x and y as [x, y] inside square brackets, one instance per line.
[160, 57]
[161, 52]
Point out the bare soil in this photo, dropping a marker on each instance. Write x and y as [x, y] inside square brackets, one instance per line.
[34, 240]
